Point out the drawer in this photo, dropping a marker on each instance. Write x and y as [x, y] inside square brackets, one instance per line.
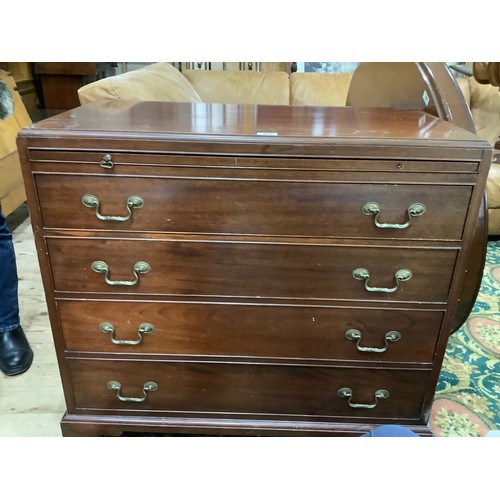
[125, 162]
[237, 269]
[248, 331]
[251, 207]
[245, 389]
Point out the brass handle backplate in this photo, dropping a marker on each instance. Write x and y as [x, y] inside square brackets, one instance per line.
[346, 393]
[107, 161]
[113, 385]
[355, 336]
[100, 266]
[92, 201]
[373, 209]
[363, 274]
[109, 329]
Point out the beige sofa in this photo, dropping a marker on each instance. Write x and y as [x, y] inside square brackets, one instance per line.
[163, 82]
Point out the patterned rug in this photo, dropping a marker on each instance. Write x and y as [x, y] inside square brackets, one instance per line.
[467, 400]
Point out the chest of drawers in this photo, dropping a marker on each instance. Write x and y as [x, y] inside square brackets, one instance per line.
[259, 270]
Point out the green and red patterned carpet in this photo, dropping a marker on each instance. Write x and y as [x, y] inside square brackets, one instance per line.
[467, 400]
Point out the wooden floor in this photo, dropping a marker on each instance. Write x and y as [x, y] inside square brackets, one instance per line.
[32, 404]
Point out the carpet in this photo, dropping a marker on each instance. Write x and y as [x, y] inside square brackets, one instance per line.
[467, 399]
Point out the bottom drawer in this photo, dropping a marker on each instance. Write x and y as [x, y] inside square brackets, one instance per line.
[246, 389]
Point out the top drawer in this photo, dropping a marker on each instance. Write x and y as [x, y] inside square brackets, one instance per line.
[252, 207]
[123, 162]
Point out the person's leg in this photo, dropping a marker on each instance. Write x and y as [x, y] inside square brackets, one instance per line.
[9, 306]
[16, 355]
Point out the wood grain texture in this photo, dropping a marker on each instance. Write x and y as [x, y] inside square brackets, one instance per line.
[194, 330]
[234, 269]
[279, 208]
[256, 124]
[249, 389]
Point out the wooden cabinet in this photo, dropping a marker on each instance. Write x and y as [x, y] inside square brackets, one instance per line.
[61, 81]
[262, 270]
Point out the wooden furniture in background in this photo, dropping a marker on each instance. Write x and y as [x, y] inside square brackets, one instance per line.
[259, 270]
[61, 81]
[12, 193]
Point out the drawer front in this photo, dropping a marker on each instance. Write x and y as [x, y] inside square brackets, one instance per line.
[263, 331]
[250, 269]
[251, 207]
[245, 389]
[123, 162]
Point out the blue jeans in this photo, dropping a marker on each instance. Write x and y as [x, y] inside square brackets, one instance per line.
[9, 304]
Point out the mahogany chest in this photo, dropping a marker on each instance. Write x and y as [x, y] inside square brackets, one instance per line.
[258, 270]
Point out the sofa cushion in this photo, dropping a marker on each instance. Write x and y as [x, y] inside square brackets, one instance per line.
[241, 87]
[319, 89]
[155, 82]
[485, 109]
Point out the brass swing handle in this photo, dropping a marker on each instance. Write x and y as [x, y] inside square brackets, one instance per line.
[113, 385]
[109, 329]
[92, 201]
[414, 210]
[346, 393]
[363, 274]
[100, 266]
[355, 336]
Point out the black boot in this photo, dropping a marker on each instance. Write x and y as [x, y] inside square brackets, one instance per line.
[16, 355]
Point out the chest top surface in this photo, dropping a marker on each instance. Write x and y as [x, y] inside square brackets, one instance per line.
[257, 123]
